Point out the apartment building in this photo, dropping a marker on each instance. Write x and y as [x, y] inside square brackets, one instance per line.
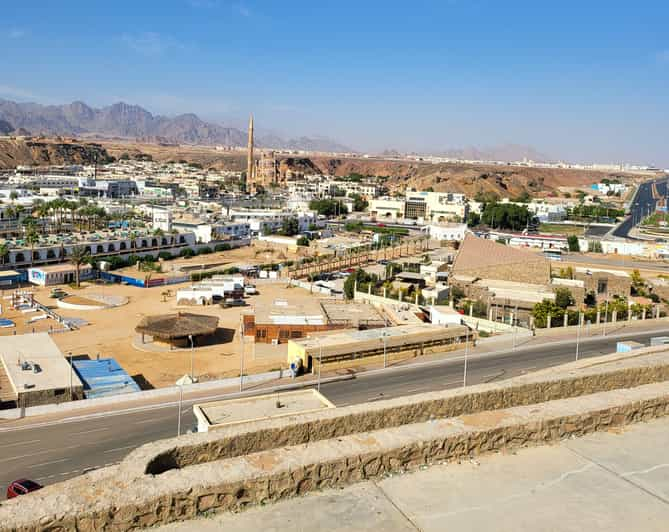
[437, 207]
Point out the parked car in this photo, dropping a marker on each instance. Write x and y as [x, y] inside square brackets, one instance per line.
[250, 290]
[234, 303]
[21, 487]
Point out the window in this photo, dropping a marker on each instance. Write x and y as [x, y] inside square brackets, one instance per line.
[602, 286]
[261, 333]
[296, 334]
[284, 334]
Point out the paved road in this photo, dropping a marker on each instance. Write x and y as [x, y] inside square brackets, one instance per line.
[643, 204]
[620, 261]
[51, 451]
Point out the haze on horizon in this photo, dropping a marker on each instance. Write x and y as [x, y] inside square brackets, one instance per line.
[583, 81]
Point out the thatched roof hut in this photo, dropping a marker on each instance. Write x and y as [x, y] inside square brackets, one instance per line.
[168, 327]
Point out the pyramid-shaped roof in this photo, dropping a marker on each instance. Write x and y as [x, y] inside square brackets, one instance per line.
[475, 253]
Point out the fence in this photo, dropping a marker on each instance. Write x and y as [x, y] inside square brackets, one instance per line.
[143, 283]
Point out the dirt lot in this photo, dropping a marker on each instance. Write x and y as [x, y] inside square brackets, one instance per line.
[111, 333]
[258, 253]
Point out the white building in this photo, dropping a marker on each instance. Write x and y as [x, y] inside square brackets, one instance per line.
[447, 232]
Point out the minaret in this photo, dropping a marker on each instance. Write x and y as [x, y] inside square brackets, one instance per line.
[250, 164]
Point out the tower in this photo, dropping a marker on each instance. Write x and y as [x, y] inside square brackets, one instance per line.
[250, 164]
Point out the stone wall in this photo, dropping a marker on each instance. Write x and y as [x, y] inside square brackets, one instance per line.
[531, 272]
[109, 500]
[269, 460]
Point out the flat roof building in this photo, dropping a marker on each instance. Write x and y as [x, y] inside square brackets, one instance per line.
[397, 342]
[219, 414]
[35, 372]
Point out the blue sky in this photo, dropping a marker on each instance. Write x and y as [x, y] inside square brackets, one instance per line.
[580, 80]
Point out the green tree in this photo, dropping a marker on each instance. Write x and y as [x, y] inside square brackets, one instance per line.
[303, 241]
[563, 297]
[473, 219]
[360, 204]
[328, 207]
[32, 238]
[290, 226]
[541, 312]
[572, 242]
[4, 251]
[78, 256]
[506, 216]
[359, 277]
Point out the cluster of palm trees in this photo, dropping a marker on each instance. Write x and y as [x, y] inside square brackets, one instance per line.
[78, 213]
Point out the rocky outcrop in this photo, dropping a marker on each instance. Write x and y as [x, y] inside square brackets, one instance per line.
[24, 151]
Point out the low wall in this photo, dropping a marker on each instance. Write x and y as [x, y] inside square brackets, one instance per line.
[109, 499]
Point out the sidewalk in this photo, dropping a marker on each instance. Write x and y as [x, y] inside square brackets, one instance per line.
[602, 482]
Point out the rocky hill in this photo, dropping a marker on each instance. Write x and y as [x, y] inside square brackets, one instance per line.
[41, 152]
[124, 121]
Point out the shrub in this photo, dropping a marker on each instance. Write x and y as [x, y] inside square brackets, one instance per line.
[205, 251]
[187, 253]
[222, 247]
[165, 255]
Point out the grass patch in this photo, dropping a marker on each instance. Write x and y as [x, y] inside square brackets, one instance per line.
[562, 229]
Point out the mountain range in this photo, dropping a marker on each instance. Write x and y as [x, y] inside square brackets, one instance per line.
[122, 120]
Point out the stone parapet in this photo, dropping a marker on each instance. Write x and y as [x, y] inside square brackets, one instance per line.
[272, 460]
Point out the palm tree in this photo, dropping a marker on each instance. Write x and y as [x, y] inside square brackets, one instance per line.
[4, 251]
[78, 256]
[32, 238]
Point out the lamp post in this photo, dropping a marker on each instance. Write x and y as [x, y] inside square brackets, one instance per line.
[320, 364]
[192, 345]
[464, 376]
[606, 314]
[181, 397]
[71, 371]
[578, 334]
[241, 357]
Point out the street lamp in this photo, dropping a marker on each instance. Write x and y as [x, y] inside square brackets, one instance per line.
[320, 364]
[241, 357]
[181, 397]
[192, 346]
[71, 371]
[578, 334]
[464, 376]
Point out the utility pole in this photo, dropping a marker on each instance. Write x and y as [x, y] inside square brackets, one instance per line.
[71, 371]
[181, 398]
[320, 364]
[464, 376]
[190, 337]
[241, 357]
[578, 334]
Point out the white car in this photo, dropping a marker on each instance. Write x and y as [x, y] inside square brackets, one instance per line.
[250, 290]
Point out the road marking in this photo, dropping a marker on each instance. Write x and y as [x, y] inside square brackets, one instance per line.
[92, 430]
[25, 456]
[27, 442]
[120, 448]
[49, 463]
[151, 419]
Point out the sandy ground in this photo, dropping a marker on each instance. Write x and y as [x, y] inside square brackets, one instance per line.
[257, 253]
[111, 333]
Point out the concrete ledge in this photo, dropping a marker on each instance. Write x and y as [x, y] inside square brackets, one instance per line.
[111, 500]
[624, 370]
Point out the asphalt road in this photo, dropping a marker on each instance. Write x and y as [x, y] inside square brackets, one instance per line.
[642, 205]
[51, 451]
